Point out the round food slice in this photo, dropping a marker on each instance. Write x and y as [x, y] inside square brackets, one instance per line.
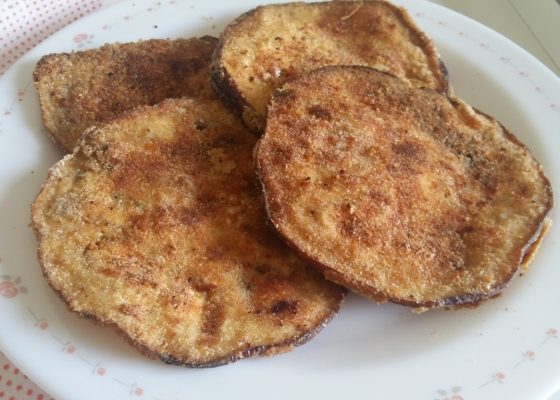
[84, 88]
[398, 193]
[155, 226]
[272, 44]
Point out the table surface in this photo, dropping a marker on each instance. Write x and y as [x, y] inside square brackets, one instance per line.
[534, 25]
[25, 23]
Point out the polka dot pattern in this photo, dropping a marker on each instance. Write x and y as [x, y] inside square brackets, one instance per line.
[25, 23]
[14, 385]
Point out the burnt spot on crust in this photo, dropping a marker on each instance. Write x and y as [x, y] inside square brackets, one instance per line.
[319, 112]
[284, 306]
[181, 68]
[284, 94]
[213, 313]
[201, 124]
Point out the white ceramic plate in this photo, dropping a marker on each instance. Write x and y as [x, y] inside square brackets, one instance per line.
[507, 348]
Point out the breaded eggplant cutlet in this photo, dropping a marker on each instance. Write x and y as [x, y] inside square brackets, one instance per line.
[398, 193]
[155, 226]
[80, 89]
[272, 44]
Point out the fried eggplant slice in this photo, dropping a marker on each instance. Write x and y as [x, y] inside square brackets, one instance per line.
[272, 44]
[155, 226]
[399, 193]
[80, 89]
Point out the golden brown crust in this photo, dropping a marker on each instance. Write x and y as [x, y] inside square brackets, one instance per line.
[267, 46]
[532, 247]
[400, 194]
[155, 226]
[80, 89]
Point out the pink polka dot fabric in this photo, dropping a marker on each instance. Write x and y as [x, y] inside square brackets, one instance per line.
[25, 23]
[14, 385]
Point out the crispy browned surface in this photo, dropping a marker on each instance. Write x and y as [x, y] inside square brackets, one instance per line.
[155, 225]
[401, 194]
[271, 44]
[77, 90]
